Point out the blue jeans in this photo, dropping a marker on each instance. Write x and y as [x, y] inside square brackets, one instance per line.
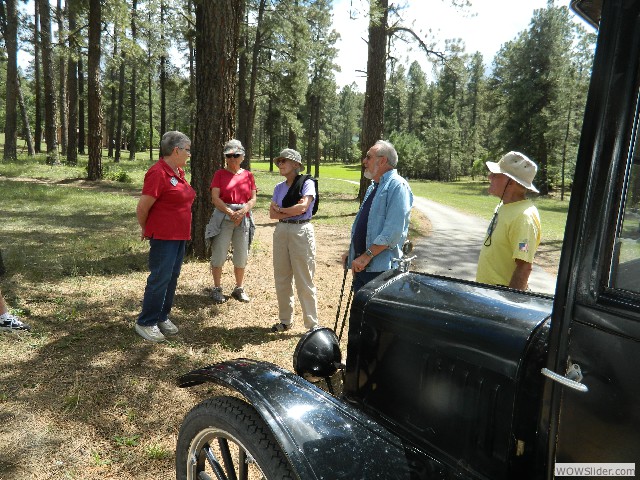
[165, 262]
[360, 279]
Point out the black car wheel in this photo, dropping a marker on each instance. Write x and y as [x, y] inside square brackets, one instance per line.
[225, 438]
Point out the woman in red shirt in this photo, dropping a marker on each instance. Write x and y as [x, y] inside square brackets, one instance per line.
[164, 215]
[233, 193]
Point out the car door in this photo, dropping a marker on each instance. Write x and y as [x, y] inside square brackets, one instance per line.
[593, 391]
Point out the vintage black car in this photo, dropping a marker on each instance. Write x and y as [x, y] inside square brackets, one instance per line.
[452, 379]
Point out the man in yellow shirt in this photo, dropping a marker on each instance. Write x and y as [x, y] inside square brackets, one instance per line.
[514, 233]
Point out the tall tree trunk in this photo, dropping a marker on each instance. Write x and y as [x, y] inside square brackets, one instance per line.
[72, 85]
[62, 84]
[373, 111]
[243, 94]
[121, 87]
[163, 74]
[25, 121]
[192, 80]
[10, 34]
[81, 109]
[50, 106]
[149, 77]
[217, 31]
[316, 172]
[36, 74]
[133, 86]
[253, 79]
[112, 107]
[94, 95]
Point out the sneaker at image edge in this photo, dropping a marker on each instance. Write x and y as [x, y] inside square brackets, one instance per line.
[281, 327]
[167, 327]
[152, 333]
[240, 295]
[9, 321]
[217, 296]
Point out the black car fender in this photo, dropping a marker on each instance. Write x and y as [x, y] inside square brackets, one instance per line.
[322, 437]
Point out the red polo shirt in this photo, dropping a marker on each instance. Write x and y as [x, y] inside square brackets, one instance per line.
[234, 188]
[170, 216]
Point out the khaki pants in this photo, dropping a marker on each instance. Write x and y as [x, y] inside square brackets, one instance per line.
[294, 258]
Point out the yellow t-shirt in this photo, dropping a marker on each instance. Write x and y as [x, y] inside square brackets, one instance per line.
[516, 235]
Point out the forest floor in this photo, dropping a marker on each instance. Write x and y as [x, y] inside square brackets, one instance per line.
[84, 397]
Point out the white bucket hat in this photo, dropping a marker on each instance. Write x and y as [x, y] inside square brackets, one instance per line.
[290, 154]
[518, 167]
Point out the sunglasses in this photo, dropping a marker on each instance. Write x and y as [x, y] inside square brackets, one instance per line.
[234, 155]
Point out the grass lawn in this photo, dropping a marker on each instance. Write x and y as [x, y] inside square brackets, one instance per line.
[82, 389]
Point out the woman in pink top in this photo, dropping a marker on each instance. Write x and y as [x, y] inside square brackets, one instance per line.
[233, 193]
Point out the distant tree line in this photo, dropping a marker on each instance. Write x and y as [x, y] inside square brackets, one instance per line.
[110, 76]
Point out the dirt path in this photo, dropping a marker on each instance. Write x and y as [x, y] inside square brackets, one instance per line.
[453, 247]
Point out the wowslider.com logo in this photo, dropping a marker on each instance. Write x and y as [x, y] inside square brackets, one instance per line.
[595, 470]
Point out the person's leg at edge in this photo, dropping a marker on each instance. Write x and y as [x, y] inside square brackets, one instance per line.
[303, 261]
[162, 256]
[282, 273]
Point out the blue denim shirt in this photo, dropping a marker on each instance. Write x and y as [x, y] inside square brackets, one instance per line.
[388, 220]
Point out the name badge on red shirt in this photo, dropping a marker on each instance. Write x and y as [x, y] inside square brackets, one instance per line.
[174, 181]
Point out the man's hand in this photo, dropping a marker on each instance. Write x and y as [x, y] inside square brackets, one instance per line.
[360, 263]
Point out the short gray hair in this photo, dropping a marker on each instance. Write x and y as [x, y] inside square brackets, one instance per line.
[386, 149]
[171, 140]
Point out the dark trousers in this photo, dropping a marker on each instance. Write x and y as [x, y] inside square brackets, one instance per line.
[165, 262]
[362, 278]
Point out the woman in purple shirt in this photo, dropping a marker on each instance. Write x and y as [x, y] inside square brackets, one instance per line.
[294, 244]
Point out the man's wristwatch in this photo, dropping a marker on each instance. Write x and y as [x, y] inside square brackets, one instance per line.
[369, 253]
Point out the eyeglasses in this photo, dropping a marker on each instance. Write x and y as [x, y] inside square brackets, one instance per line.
[188, 150]
[232, 155]
[369, 157]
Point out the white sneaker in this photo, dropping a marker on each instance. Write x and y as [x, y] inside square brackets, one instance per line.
[9, 321]
[152, 333]
[167, 327]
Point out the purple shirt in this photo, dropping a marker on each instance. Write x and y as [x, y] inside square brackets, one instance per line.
[308, 189]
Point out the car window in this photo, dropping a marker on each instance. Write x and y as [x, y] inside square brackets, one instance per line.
[625, 265]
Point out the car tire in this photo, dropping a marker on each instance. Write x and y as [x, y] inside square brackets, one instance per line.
[228, 434]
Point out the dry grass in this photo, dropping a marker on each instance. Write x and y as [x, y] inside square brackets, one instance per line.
[84, 397]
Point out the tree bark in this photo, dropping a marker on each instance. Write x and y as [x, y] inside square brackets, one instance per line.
[247, 111]
[112, 106]
[217, 33]
[163, 74]
[373, 111]
[121, 87]
[62, 83]
[192, 80]
[10, 34]
[133, 86]
[50, 105]
[81, 122]
[72, 86]
[94, 94]
[149, 78]
[25, 121]
[36, 74]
